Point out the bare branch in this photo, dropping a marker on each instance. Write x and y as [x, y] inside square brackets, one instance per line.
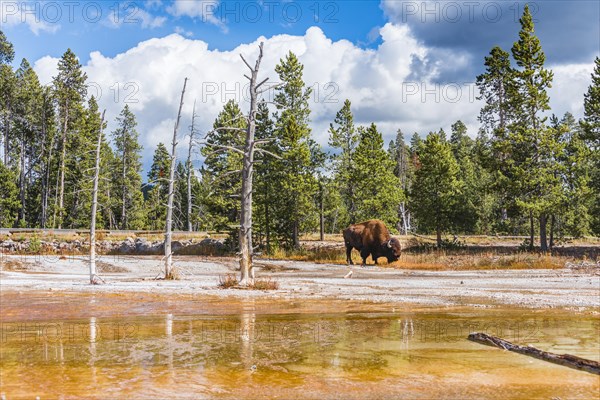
[224, 147]
[269, 153]
[246, 62]
[260, 84]
[267, 140]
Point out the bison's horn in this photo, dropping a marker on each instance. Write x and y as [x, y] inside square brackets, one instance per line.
[390, 243]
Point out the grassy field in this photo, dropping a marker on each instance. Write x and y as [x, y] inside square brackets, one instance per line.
[419, 252]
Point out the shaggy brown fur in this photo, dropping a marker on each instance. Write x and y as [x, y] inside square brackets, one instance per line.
[371, 238]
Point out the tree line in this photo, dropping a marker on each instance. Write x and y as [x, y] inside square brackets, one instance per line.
[525, 172]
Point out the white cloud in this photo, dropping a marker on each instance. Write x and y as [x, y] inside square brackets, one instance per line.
[14, 13]
[379, 82]
[134, 16]
[183, 32]
[206, 10]
[570, 83]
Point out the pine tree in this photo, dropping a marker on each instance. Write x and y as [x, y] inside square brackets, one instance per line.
[264, 177]
[158, 178]
[496, 87]
[130, 208]
[222, 168]
[69, 91]
[8, 88]
[295, 184]
[81, 169]
[572, 215]
[27, 128]
[343, 137]
[436, 188]
[404, 172]
[374, 179]
[9, 201]
[465, 218]
[591, 136]
[533, 145]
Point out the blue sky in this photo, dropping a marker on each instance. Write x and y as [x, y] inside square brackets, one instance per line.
[399, 62]
[113, 27]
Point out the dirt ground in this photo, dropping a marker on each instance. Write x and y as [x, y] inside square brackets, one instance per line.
[539, 288]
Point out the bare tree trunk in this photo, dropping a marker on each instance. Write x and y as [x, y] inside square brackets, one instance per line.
[246, 249]
[552, 225]
[61, 194]
[46, 172]
[22, 182]
[438, 232]
[93, 279]
[531, 231]
[169, 222]
[321, 213]
[7, 118]
[543, 232]
[124, 182]
[189, 171]
[405, 222]
[267, 223]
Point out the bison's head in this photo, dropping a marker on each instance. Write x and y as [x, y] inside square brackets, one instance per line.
[392, 249]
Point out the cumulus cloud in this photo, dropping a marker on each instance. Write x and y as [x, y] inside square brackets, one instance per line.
[133, 15]
[14, 13]
[381, 83]
[202, 9]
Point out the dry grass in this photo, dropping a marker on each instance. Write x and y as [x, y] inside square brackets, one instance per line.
[230, 281]
[433, 260]
[264, 284]
[104, 267]
[227, 281]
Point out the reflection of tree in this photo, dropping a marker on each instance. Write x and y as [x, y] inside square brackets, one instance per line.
[93, 334]
[170, 346]
[247, 335]
[408, 332]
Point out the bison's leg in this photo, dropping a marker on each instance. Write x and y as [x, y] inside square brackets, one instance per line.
[349, 254]
[364, 253]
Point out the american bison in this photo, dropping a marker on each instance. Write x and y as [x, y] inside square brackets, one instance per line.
[371, 237]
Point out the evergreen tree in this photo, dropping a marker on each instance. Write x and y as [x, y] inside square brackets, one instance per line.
[572, 215]
[465, 218]
[343, 137]
[265, 175]
[9, 201]
[404, 172]
[7, 51]
[533, 145]
[374, 179]
[8, 87]
[127, 191]
[436, 188]
[80, 169]
[591, 137]
[295, 184]
[158, 178]
[69, 91]
[26, 128]
[496, 89]
[221, 167]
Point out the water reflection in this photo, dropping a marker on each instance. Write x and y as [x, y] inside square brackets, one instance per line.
[350, 355]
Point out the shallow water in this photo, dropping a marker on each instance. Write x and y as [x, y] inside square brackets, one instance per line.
[143, 346]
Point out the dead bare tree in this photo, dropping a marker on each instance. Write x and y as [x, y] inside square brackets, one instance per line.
[189, 170]
[169, 222]
[93, 277]
[247, 151]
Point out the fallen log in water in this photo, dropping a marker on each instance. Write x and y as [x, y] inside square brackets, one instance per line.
[566, 360]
